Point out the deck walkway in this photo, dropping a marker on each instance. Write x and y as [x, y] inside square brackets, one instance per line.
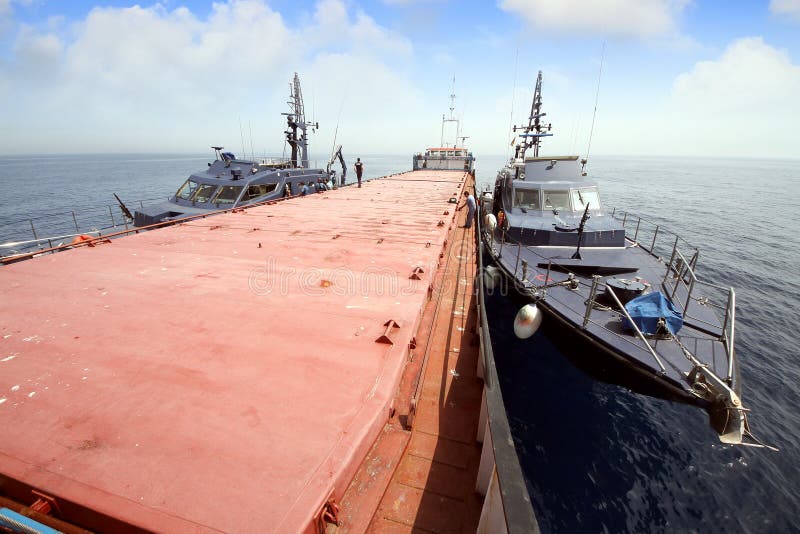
[423, 479]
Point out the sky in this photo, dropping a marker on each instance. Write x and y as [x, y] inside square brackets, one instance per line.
[666, 77]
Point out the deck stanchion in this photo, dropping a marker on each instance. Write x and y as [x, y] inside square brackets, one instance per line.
[590, 302]
[671, 259]
[653, 246]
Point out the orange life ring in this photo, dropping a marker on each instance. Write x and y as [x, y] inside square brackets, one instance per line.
[542, 278]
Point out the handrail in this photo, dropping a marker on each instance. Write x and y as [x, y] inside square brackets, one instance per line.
[136, 230]
[681, 272]
[729, 346]
[636, 329]
[517, 505]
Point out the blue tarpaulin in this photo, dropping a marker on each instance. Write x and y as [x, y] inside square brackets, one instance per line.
[646, 310]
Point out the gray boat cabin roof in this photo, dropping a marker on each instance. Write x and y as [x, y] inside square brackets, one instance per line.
[551, 158]
[552, 184]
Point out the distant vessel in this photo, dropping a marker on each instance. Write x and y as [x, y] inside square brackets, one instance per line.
[444, 157]
[230, 182]
[636, 298]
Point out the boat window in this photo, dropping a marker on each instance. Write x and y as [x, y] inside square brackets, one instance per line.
[258, 190]
[203, 192]
[556, 200]
[580, 197]
[187, 189]
[527, 198]
[228, 194]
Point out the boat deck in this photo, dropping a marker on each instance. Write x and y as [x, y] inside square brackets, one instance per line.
[224, 374]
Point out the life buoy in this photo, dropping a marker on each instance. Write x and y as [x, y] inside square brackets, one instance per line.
[543, 278]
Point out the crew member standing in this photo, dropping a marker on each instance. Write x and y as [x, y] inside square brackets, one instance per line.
[470, 204]
[359, 170]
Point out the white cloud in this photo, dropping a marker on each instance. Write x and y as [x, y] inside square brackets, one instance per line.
[145, 78]
[332, 27]
[786, 7]
[743, 103]
[750, 75]
[616, 18]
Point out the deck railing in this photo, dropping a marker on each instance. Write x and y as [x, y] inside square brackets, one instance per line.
[680, 282]
[680, 279]
[508, 484]
[49, 229]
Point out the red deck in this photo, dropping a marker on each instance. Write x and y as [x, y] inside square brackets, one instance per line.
[222, 374]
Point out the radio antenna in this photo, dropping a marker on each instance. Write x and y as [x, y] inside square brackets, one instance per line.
[252, 152]
[513, 95]
[596, 97]
[241, 135]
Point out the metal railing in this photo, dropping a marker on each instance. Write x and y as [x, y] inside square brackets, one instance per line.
[517, 505]
[680, 275]
[680, 281]
[5, 259]
[48, 229]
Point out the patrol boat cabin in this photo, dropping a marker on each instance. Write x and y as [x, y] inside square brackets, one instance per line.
[541, 201]
[229, 182]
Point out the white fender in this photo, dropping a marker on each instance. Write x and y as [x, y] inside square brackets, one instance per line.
[491, 277]
[527, 321]
[490, 221]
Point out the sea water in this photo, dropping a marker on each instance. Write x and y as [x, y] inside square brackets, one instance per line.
[601, 458]
[597, 457]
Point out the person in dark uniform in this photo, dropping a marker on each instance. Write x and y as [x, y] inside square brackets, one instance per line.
[359, 170]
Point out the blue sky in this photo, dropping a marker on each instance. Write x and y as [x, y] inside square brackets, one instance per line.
[680, 77]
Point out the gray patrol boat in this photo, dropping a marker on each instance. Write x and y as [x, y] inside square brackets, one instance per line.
[622, 288]
[231, 182]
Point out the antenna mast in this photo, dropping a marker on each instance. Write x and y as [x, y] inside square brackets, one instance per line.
[452, 117]
[532, 133]
[296, 119]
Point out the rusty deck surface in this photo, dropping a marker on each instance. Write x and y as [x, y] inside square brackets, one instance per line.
[423, 479]
[223, 374]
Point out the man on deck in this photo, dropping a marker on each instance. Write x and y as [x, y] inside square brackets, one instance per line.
[470, 203]
[359, 170]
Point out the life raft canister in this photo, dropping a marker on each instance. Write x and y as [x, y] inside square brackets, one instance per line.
[83, 238]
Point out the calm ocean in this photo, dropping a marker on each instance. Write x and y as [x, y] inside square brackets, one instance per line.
[598, 457]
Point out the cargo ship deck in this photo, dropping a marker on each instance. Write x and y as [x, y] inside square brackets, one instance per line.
[229, 373]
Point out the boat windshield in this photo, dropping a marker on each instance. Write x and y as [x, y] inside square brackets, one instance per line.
[203, 192]
[556, 200]
[228, 194]
[527, 198]
[258, 190]
[187, 189]
[581, 197]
